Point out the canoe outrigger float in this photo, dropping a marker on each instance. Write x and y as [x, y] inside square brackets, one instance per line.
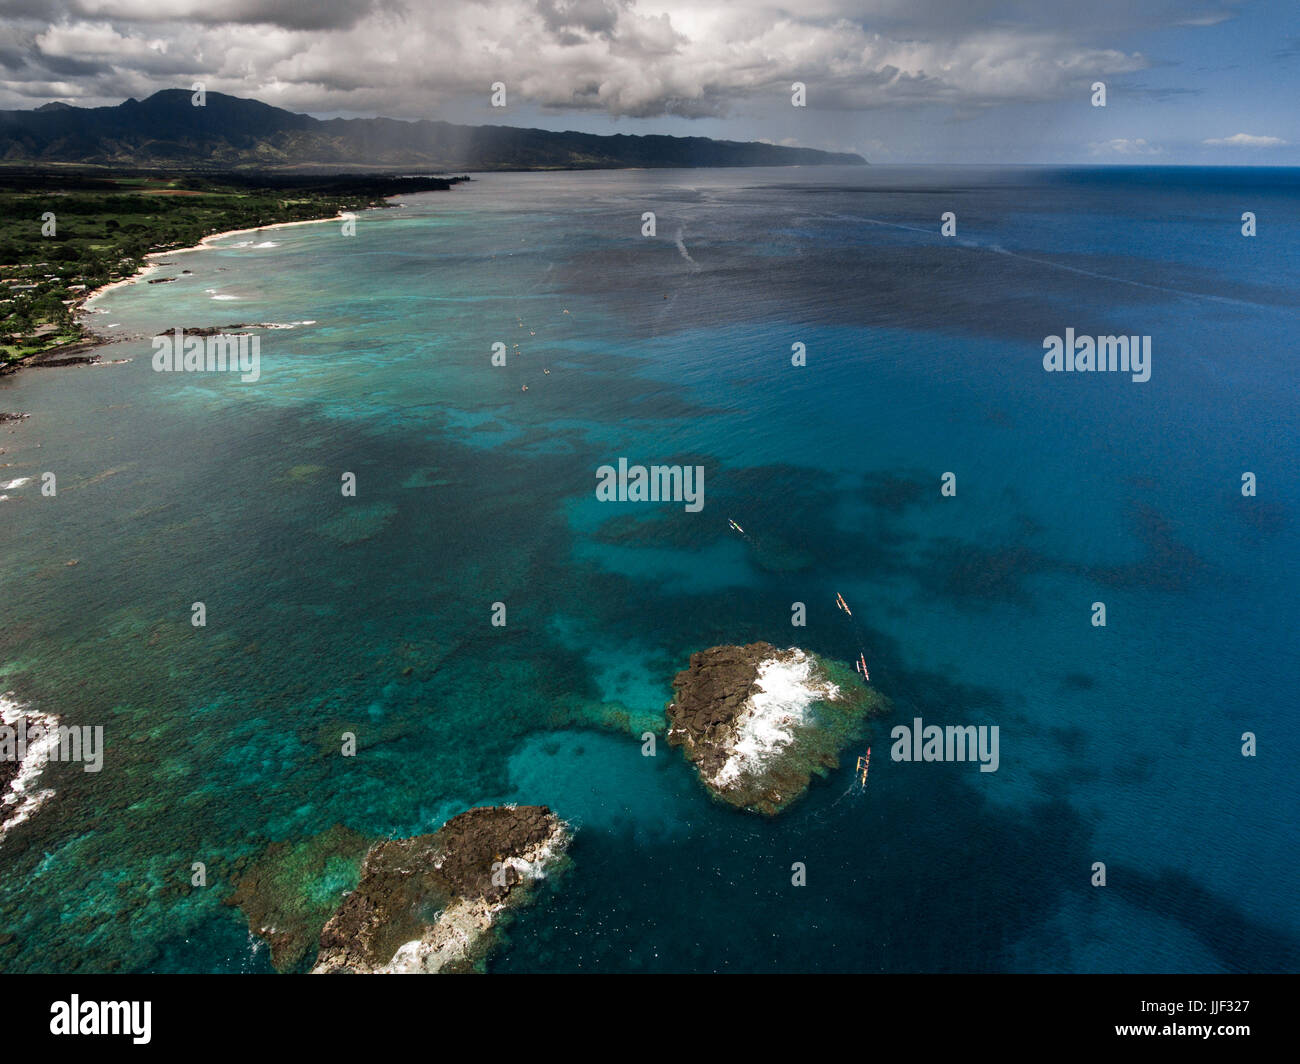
[839, 601]
[861, 666]
[735, 526]
[864, 763]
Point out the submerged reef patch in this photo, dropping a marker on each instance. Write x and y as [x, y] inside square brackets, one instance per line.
[289, 892]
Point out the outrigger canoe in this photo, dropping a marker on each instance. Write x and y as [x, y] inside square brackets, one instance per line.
[864, 763]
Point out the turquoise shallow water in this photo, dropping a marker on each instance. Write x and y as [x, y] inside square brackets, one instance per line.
[372, 614]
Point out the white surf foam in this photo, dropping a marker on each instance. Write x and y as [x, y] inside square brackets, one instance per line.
[457, 928]
[23, 798]
[784, 691]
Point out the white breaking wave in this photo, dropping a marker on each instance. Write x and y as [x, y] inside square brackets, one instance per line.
[456, 929]
[533, 864]
[15, 484]
[681, 246]
[784, 690]
[22, 798]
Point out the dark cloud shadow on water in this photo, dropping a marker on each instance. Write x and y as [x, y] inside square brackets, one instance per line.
[1239, 941]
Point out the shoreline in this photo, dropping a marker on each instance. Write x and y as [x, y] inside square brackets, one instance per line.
[75, 351]
[21, 795]
[204, 244]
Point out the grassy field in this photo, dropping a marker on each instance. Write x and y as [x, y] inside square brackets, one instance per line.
[64, 234]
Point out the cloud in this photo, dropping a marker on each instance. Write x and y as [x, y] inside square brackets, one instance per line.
[1210, 18]
[96, 41]
[1124, 146]
[1244, 140]
[289, 14]
[636, 58]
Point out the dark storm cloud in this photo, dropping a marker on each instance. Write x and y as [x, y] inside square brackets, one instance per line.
[639, 58]
[594, 16]
[67, 67]
[288, 14]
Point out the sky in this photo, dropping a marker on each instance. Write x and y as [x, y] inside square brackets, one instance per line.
[897, 81]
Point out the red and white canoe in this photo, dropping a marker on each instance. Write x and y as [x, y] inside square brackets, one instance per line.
[864, 764]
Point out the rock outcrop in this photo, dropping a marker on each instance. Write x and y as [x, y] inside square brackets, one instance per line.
[433, 903]
[27, 741]
[759, 722]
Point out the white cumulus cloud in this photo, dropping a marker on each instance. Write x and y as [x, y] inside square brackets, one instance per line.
[1124, 146]
[1245, 140]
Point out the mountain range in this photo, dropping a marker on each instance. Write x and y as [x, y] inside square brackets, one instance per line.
[167, 130]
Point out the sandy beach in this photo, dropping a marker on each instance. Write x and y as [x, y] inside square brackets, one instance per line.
[156, 261]
[206, 242]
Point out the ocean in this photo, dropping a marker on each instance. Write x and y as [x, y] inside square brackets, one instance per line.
[475, 485]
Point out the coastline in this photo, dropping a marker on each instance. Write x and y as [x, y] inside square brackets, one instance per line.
[205, 243]
[21, 796]
[75, 352]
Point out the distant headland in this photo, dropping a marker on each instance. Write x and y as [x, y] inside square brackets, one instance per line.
[226, 133]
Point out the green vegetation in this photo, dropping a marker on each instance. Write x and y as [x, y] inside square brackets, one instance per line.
[103, 227]
[229, 135]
